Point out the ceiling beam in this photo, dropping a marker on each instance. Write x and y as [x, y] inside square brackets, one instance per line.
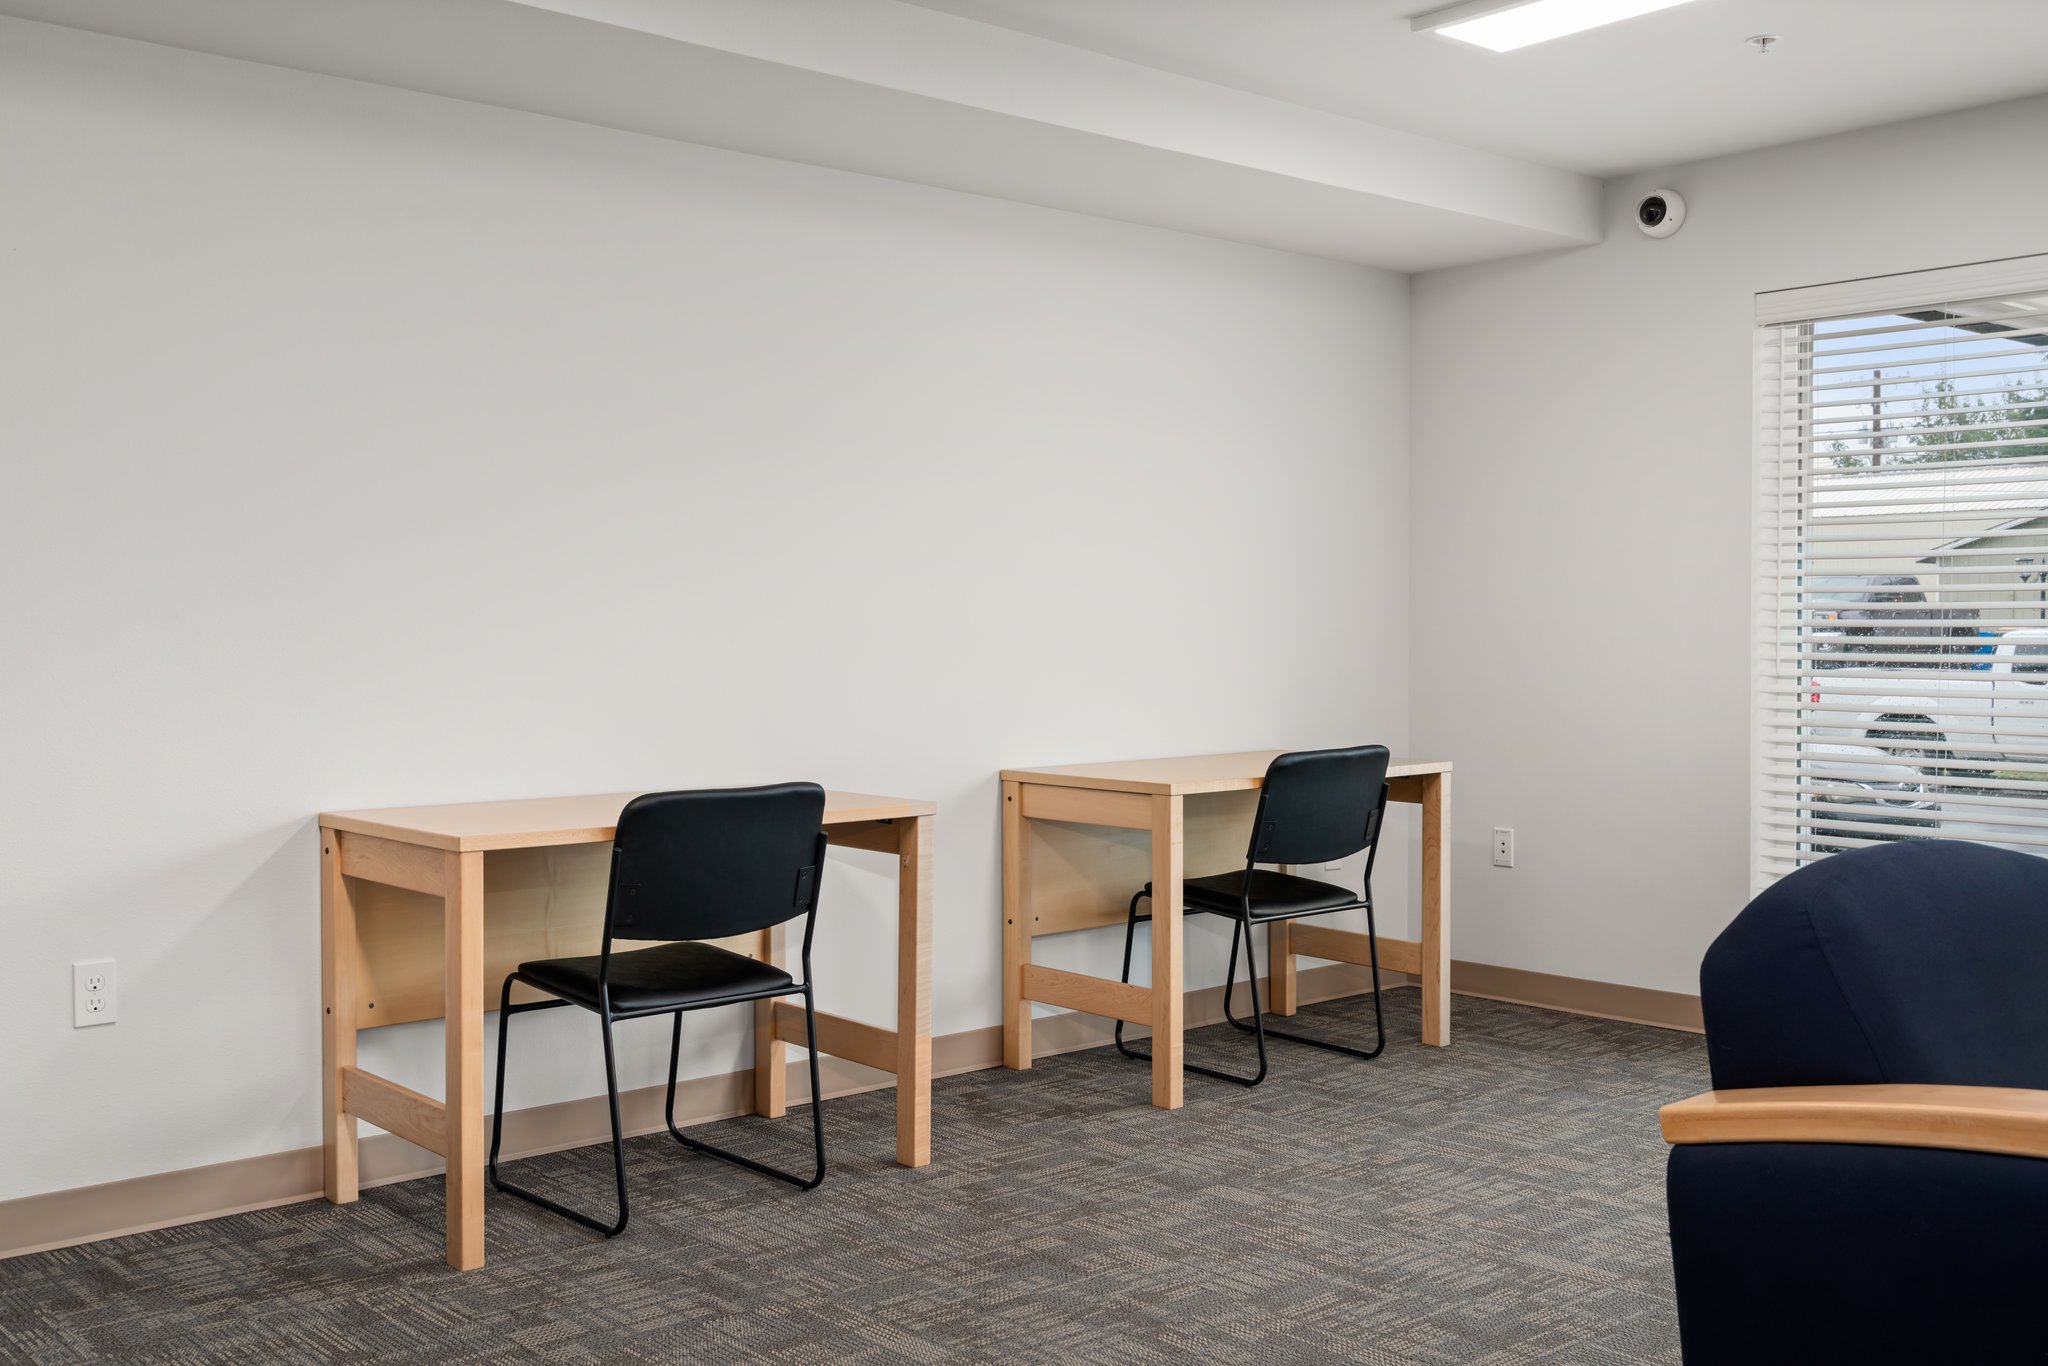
[893, 90]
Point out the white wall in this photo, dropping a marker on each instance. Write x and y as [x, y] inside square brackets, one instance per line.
[1582, 473]
[366, 448]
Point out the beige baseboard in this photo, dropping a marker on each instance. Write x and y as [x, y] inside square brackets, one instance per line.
[1577, 996]
[39, 1223]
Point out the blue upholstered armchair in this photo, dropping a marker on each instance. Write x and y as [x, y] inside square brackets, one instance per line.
[1868, 1181]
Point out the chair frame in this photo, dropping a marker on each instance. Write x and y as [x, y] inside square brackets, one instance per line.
[607, 1017]
[1241, 928]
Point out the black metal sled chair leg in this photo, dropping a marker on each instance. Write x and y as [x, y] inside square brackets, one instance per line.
[810, 1182]
[1379, 1021]
[1130, 936]
[506, 1010]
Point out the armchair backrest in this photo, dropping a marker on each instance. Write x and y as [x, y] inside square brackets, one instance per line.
[1916, 961]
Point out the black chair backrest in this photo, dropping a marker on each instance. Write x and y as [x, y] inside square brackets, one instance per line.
[705, 865]
[1319, 805]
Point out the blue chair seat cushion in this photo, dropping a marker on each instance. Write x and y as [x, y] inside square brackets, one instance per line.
[670, 977]
[1275, 896]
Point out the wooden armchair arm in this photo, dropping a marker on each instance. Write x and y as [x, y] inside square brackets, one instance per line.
[1982, 1119]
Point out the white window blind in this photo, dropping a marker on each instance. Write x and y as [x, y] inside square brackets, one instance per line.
[1902, 662]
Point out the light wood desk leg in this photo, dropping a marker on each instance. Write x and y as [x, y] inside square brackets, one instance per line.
[1167, 978]
[1436, 908]
[337, 1019]
[462, 947]
[1280, 976]
[1016, 933]
[771, 1055]
[914, 992]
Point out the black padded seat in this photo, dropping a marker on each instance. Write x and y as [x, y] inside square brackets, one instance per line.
[1275, 896]
[670, 977]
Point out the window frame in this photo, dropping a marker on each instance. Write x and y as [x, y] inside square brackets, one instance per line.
[1787, 324]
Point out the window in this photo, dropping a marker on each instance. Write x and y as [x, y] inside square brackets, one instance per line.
[1903, 587]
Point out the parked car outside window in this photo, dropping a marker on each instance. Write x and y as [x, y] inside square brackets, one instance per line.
[1884, 614]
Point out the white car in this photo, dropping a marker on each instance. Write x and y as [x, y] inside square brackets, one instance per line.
[1993, 710]
[1850, 795]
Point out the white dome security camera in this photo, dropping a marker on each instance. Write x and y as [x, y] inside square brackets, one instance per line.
[1659, 213]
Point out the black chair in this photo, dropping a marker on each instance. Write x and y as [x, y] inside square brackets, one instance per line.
[686, 867]
[1315, 806]
[1868, 1181]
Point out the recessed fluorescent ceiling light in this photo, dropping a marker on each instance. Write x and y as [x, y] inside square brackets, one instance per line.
[1503, 28]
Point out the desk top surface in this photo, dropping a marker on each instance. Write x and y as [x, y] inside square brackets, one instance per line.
[1188, 773]
[537, 821]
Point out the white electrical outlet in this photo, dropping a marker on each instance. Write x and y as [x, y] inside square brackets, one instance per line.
[1503, 847]
[1332, 867]
[93, 993]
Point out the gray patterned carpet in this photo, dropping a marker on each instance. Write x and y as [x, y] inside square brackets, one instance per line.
[1499, 1201]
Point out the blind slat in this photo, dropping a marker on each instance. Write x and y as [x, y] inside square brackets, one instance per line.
[2010, 376]
[1807, 401]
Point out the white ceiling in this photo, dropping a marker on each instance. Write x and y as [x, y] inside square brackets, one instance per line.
[1662, 89]
[1323, 127]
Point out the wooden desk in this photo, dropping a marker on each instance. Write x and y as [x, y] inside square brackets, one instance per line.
[405, 934]
[1058, 876]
